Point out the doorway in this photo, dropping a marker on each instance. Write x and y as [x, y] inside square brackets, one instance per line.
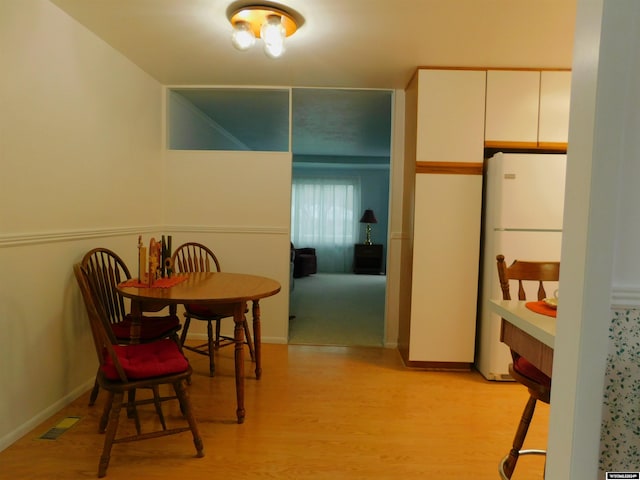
[340, 137]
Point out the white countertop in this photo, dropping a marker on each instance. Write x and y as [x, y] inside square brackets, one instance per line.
[541, 327]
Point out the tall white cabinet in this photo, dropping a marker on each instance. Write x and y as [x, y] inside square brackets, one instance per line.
[448, 131]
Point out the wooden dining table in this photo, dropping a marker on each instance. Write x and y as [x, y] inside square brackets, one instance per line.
[527, 333]
[211, 288]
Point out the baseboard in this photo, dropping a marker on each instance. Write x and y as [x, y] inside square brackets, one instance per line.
[439, 366]
[45, 414]
[435, 366]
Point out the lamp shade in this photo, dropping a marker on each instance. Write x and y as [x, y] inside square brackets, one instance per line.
[368, 217]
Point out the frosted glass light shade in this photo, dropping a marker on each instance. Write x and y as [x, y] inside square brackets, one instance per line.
[242, 37]
[273, 33]
[274, 50]
[272, 30]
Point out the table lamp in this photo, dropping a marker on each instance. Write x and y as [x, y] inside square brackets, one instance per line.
[368, 217]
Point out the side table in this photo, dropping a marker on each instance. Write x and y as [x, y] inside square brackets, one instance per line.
[367, 258]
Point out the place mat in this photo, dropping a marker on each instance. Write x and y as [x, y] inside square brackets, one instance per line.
[165, 282]
[541, 307]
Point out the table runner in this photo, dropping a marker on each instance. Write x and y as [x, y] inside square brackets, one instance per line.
[542, 308]
[165, 282]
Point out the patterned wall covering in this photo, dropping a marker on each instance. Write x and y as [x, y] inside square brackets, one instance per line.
[620, 435]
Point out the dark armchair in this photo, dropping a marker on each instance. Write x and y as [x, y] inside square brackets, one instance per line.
[304, 262]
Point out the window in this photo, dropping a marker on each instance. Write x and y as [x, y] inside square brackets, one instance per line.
[244, 119]
[324, 215]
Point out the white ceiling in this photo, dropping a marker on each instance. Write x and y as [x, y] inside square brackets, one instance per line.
[363, 44]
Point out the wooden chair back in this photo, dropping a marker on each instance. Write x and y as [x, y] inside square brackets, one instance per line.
[103, 337]
[522, 271]
[106, 270]
[194, 257]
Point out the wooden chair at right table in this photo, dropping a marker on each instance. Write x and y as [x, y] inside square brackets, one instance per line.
[196, 257]
[522, 371]
[126, 368]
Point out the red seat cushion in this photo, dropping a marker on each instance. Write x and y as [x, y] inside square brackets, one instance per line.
[526, 368]
[150, 328]
[146, 360]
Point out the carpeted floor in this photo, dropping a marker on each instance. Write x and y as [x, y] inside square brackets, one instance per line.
[338, 309]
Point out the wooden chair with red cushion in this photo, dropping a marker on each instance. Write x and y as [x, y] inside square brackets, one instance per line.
[106, 270]
[538, 384]
[126, 368]
[195, 257]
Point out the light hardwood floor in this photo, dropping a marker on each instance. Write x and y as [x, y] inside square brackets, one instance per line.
[317, 413]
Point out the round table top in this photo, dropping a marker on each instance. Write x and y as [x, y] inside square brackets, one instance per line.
[208, 287]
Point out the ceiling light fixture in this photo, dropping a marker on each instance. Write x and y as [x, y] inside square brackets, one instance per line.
[271, 24]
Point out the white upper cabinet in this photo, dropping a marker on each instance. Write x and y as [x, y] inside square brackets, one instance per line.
[512, 107]
[555, 96]
[527, 109]
[450, 115]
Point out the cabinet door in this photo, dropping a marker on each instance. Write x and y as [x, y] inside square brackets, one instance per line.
[446, 248]
[450, 116]
[512, 108]
[555, 96]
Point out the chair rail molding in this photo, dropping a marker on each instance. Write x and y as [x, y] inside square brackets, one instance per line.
[234, 229]
[33, 238]
[625, 296]
[399, 236]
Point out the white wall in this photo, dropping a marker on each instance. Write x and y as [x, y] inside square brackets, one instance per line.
[238, 204]
[600, 262]
[80, 137]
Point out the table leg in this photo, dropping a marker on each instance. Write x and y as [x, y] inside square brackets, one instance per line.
[238, 318]
[257, 340]
[134, 333]
[136, 321]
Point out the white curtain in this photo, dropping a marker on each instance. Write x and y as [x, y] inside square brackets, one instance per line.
[324, 215]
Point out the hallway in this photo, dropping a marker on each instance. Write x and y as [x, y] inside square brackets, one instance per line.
[338, 309]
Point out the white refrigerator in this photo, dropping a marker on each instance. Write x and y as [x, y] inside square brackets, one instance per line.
[522, 210]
